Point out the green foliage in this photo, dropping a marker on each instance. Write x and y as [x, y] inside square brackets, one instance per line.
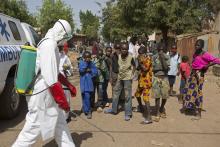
[133, 13]
[51, 12]
[17, 9]
[90, 24]
[114, 27]
[177, 16]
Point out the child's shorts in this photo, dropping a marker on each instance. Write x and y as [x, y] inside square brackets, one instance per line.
[160, 87]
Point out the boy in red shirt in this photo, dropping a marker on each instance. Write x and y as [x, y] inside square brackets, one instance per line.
[185, 73]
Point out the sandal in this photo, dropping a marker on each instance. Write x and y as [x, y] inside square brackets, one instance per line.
[156, 119]
[163, 115]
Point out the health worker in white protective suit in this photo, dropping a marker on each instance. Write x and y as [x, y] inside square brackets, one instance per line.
[66, 69]
[45, 115]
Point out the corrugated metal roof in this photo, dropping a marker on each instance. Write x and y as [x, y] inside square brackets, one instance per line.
[183, 36]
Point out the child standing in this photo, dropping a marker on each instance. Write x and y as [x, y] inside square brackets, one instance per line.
[124, 83]
[144, 83]
[108, 61]
[160, 85]
[88, 71]
[114, 70]
[100, 64]
[185, 73]
[173, 68]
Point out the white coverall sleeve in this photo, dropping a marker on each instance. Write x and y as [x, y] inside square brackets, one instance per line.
[49, 62]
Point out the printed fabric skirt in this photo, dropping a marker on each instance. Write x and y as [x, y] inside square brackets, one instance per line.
[192, 93]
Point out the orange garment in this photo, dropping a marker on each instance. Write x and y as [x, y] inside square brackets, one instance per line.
[145, 77]
[65, 47]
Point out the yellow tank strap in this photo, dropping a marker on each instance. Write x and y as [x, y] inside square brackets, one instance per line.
[21, 91]
[28, 48]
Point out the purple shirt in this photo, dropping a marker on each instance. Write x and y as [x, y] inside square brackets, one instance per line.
[203, 60]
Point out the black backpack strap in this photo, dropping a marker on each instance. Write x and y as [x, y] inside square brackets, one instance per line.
[31, 85]
[178, 57]
[42, 41]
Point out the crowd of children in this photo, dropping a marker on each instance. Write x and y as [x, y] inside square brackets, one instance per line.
[156, 74]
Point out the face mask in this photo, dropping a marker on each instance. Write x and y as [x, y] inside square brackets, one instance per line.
[67, 37]
[64, 39]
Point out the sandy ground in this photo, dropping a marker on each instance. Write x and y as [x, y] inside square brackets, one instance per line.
[104, 130]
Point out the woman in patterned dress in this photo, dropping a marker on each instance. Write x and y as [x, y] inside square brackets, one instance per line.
[202, 60]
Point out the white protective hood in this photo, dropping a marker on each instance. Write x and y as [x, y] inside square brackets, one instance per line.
[60, 31]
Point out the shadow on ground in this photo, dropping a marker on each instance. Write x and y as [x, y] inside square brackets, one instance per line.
[7, 124]
[77, 139]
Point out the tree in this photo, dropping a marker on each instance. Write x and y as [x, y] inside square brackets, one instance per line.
[144, 16]
[17, 9]
[51, 12]
[114, 27]
[167, 16]
[90, 24]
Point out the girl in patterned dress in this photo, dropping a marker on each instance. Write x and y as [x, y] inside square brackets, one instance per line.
[144, 83]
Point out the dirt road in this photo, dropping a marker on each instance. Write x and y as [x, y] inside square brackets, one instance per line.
[103, 130]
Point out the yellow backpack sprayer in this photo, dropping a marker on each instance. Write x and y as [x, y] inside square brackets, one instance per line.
[26, 76]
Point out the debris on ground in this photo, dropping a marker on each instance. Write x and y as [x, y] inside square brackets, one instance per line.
[153, 142]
